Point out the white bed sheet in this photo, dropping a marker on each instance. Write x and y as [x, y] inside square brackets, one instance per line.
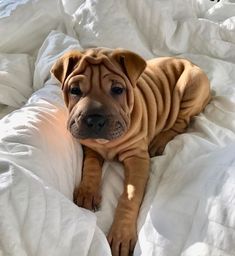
[189, 207]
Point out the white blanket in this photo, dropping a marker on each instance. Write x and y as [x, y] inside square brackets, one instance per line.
[189, 206]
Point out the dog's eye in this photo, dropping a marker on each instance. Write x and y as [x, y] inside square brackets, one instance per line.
[117, 89]
[76, 91]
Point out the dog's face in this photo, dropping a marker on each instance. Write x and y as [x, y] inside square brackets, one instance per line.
[98, 86]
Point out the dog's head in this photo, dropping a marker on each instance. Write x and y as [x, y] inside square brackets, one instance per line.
[98, 86]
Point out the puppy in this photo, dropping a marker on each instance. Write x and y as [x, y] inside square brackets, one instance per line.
[124, 108]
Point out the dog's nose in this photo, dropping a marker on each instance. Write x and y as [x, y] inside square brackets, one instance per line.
[95, 122]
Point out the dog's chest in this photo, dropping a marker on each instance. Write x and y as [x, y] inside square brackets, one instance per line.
[107, 152]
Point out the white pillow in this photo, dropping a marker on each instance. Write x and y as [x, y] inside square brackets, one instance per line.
[16, 83]
[108, 23]
[156, 28]
[70, 6]
[40, 161]
[37, 132]
[25, 24]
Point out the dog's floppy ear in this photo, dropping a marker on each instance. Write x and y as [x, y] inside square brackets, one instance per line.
[65, 65]
[132, 64]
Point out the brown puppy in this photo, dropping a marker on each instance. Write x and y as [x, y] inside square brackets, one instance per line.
[122, 107]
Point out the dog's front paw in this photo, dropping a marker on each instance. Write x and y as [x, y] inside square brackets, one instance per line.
[87, 197]
[122, 239]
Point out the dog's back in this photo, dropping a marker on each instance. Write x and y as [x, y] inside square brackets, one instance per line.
[172, 90]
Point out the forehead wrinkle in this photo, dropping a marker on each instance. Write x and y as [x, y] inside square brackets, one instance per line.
[87, 73]
[91, 79]
[103, 72]
[100, 77]
[99, 70]
[111, 71]
[95, 77]
[118, 74]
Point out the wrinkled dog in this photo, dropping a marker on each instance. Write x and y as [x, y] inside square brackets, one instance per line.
[122, 107]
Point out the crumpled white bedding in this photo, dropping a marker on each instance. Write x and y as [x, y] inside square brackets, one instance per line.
[189, 207]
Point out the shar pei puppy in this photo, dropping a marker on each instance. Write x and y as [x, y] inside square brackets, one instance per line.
[124, 108]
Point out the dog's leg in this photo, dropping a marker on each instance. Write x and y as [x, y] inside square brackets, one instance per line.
[88, 194]
[158, 144]
[123, 233]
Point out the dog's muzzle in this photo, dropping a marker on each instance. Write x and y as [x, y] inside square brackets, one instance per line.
[96, 126]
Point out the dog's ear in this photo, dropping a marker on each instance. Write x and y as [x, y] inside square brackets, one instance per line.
[131, 63]
[65, 65]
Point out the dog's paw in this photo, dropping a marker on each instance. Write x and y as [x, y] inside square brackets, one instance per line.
[87, 197]
[122, 240]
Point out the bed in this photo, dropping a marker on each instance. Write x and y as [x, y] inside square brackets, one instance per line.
[189, 206]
